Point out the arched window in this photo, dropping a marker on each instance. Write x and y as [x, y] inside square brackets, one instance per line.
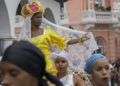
[22, 2]
[19, 19]
[99, 5]
[61, 0]
[117, 47]
[1, 47]
[48, 14]
[98, 2]
[101, 44]
[4, 25]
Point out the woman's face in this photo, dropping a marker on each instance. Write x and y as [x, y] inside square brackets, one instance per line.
[11, 75]
[36, 19]
[61, 64]
[101, 72]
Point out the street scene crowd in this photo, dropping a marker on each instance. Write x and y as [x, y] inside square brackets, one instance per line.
[49, 58]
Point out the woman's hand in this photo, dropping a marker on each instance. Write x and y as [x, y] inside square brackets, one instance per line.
[79, 79]
[80, 40]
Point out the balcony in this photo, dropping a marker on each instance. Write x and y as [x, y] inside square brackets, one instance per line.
[99, 17]
[88, 17]
[106, 17]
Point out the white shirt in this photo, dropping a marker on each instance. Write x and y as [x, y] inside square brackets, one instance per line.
[67, 80]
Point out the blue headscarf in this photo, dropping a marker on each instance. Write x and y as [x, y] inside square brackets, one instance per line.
[92, 61]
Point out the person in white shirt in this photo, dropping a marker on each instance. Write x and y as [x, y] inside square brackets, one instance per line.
[68, 79]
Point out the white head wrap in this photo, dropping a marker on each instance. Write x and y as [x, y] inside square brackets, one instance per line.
[62, 54]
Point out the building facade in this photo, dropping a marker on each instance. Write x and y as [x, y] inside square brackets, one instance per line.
[100, 17]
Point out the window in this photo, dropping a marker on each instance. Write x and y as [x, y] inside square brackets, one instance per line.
[22, 2]
[99, 5]
[48, 14]
[101, 44]
[98, 2]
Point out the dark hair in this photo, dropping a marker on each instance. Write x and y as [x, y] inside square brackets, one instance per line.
[117, 64]
[29, 58]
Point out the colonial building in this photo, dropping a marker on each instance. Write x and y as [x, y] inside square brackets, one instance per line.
[100, 17]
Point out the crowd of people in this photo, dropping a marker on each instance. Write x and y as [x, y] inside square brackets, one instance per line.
[44, 61]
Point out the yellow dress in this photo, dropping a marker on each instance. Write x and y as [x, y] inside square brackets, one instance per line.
[50, 39]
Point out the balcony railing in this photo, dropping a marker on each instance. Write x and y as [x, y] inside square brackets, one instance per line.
[99, 17]
[106, 17]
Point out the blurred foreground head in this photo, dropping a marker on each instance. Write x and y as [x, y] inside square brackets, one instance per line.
[24, 65]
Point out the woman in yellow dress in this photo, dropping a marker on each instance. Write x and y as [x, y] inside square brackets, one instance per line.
[47, 40]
